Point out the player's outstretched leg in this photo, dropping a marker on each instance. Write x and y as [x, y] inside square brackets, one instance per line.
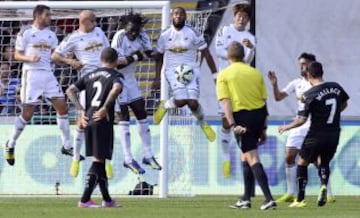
[161, 110]
[196, 109]
[19, 126]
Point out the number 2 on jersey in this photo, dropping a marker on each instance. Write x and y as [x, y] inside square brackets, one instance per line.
[95, 102]
[332, 103]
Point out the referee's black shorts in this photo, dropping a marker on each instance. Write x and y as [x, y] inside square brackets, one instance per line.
[320, 143]
[99, 139]
[254, 121]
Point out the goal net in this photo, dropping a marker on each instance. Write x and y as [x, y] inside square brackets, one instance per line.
[40, 168]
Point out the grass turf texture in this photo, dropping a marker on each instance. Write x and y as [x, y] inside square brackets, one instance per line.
[199, 207]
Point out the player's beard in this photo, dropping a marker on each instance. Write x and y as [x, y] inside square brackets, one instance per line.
[179, 25]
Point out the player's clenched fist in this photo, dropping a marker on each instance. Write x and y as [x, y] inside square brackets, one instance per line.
[35, 58]
[77, 65]
[247, 43]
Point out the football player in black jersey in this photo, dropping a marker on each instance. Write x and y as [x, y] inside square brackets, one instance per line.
[102, 88]
[324, 103]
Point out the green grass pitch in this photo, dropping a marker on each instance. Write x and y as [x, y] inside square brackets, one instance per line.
[199, 207]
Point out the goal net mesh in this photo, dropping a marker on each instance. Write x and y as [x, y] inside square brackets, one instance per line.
[40, 168]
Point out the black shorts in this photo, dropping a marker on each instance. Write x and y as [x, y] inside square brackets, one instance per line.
[321, 144]
[254, 121]
[99, 139]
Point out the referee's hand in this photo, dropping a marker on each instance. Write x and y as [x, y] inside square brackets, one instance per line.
[239, 129]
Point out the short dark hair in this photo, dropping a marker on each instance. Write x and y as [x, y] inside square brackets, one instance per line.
[243, 7]
[109, 55]
[181, 8]
[235, 51]
[39, 9]
[315, 69]
[307, 56]
[135, 18]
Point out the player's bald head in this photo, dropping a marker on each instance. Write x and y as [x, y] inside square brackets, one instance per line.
[87, 21]
[235, 51]
[86, 14]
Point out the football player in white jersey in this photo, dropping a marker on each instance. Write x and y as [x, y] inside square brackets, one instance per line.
[33, 48]
[86, 44]
[179, 45]
[132, 43]
[296, 136]
[234, 32]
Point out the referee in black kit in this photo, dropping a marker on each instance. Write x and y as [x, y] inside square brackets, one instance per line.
[102, 88]
[242, 92]
[324, 103]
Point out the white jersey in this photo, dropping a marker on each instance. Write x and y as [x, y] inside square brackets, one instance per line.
[224, 37]
[33, 41]
[180, 46]
[87, 48]
[298, 86]
[126, 47]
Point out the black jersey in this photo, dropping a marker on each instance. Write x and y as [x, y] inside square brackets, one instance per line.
[97, 86]
[323, 102]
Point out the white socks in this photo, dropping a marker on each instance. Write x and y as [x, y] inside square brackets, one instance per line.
[125, 140]
[78, 140]
[20, 124]
[63, 123]
[169, 104]
[144, 132]
[291, 180]
[225, 137]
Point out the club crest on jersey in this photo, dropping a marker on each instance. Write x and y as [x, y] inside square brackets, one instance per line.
[229, 37]
[42, 46]
[93, 46]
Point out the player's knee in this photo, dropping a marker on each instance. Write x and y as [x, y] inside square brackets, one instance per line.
[180, 103]
[138, 107]
[290, 160]
[193, 104]
[124, 114]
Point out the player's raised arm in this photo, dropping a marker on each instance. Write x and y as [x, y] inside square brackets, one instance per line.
[210, 61]
[278, 95]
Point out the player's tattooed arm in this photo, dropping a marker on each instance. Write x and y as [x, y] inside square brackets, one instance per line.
[72, 93]
[299, 120]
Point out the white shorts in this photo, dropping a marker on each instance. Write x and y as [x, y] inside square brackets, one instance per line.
[39, 83]
[296, 137]
[181, 91]
[130, 92]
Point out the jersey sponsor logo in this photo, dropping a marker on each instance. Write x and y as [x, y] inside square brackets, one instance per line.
[42, 46]
[93, 46]
[178, 49]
